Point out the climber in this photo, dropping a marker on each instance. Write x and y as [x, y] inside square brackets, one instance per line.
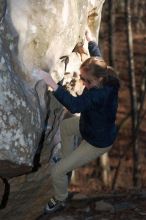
[96, 125]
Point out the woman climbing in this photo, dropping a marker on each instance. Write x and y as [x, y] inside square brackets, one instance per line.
[97, 106]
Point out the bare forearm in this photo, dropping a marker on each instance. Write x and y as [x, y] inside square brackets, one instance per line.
[42, 75]
[53, 85]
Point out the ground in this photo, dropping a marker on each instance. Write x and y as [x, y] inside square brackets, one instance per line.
[130, 205]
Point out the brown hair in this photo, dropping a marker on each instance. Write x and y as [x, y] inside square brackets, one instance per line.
[97, 67]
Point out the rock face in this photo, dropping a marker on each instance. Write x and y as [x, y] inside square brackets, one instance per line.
[36, 34]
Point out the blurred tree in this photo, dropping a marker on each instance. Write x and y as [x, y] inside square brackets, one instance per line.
[104, 160]
[139, 12]
[105, 170]
[133, 94]
[111, 10]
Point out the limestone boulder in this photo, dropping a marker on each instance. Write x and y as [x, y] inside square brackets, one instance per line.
[35, 34]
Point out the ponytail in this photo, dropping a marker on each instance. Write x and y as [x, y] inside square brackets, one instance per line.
[111, 78]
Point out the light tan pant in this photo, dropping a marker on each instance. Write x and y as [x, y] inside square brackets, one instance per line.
[71, 158]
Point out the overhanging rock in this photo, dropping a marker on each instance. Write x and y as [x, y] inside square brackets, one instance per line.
[35, 34]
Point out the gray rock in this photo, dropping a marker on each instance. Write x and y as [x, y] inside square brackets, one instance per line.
[35, 34]
[104, 206]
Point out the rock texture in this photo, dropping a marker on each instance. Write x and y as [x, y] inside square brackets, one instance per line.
[35, 34]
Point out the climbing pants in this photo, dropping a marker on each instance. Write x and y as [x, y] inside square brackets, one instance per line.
[72, 157]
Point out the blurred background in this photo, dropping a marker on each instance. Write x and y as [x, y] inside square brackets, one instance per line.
[122, 40]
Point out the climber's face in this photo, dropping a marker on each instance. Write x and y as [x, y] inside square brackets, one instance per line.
[89, 81]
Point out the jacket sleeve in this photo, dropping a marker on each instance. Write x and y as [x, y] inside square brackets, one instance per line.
[94, 50]
[75, 104]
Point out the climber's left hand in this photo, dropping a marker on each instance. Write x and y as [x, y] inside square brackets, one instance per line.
[47, 78]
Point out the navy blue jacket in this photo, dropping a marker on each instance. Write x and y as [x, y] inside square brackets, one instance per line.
[98, 107]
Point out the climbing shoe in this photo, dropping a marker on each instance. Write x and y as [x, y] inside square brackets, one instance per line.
[54, 205]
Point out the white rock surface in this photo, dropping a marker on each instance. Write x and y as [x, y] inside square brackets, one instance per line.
[35, 34]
